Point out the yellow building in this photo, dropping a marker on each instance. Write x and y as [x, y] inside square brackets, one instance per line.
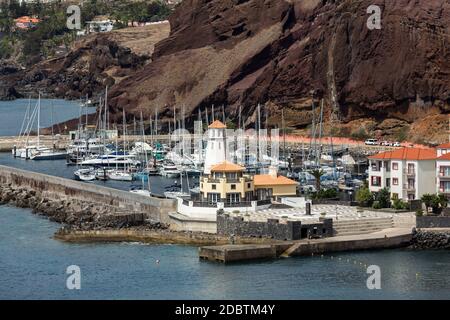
[227, 183]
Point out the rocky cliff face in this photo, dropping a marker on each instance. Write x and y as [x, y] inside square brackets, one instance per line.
[94, 62]
[282, 53]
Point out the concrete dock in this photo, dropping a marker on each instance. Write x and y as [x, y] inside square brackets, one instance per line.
[388, 238]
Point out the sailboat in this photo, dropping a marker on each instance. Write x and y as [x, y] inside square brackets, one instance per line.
[47, 153]
[85, 174]
[121, 174]
[178, 194]
[27, 151]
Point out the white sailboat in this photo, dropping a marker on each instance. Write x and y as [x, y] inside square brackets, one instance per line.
[180, 193]
[85, 174]
[121, 174]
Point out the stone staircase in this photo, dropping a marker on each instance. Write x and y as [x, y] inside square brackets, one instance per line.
[361, 226]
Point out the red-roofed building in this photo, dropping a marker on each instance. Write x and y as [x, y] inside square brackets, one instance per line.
[26, 22]
[408, 172]
[443, 172]
[443, 149]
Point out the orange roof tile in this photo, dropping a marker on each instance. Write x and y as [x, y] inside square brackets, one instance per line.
[444, 146]
[217, 125]
[444, 157]
[227, 167]
[267, 179]
[406, 154]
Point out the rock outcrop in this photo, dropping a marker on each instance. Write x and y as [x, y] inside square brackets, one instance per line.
[283, 53]
[94, 62]
[431, 239]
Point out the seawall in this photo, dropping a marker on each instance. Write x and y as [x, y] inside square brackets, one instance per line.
[389, 238]
[50, 188]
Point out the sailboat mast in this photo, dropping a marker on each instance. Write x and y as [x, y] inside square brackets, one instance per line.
[106, 109]
[39, 120]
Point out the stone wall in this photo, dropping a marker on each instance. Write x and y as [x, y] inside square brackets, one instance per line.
[59, 189]
[335, 202]
[291, 230]
[433, 222]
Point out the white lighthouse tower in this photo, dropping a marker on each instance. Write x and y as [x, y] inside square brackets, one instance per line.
[216, 147]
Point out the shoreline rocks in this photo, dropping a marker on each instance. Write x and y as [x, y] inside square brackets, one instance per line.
[430, 239]
[75, 214]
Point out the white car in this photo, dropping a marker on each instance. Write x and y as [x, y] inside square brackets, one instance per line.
[397, 144]
[371, 142]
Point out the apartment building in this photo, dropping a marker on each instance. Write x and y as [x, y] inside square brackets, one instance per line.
[443, 169]
[408, 173]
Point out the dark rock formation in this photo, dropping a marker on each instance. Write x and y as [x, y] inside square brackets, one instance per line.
[86, 70]
[280, 53]
[431, 239]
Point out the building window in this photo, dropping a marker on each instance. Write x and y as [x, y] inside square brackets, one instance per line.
[213, 198]
[249, 185]
[411, 168]
[395, 196]
[233, 198]
[213, 186]
[202, 185]
[394, 165]
[375, 181]
[395, 181]
[233, 187]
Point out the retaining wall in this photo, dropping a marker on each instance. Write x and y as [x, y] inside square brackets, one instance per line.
[433, 222]
[291, 230]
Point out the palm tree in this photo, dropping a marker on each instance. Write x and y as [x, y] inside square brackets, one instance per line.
[317, 174]
[427, 200]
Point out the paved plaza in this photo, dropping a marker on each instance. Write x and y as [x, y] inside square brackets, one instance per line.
[336, 212]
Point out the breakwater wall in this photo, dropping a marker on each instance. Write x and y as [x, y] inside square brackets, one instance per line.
[64, 192]
[431, 239]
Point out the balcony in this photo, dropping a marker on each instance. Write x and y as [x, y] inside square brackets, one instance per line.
[409, 172]
[444, 175]
[409, 188]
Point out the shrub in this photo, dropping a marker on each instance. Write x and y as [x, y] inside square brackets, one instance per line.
[398, 204]
[325, 194]
[376, 205]
[364, 197]
[436, 202]
[419, 213]
[383, 197]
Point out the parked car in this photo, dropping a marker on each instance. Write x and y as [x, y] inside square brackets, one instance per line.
[371, 142]
[396, 144]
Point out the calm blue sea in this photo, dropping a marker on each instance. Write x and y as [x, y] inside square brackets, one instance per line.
[33, 266]
[12, 113]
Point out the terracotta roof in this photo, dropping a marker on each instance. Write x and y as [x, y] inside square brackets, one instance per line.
[26, 19]
[444, 146]
[227, 167]
[217, 125]
[407, 154]
[444, 157]
[267, 179]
